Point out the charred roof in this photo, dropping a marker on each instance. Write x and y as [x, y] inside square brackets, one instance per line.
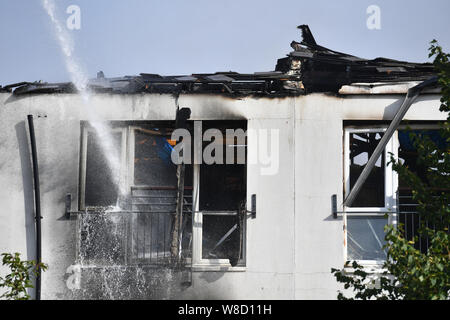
[322, 69]
[309, 68]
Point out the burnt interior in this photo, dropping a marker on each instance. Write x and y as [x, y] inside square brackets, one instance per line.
[362, 146]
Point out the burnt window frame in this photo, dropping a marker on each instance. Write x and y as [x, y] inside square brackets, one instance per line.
[127, 155]
[208, 264]
[127, 152]
[197, 251]
[85, 130]
[127, 181]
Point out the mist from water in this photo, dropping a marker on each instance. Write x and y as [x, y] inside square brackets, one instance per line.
[79, 78]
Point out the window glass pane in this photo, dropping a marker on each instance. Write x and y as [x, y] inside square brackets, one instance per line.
[365, 238]
[362, 146]
[222, 187]
[408, 153]
[101, 186]
[221, 237]
[153, 165]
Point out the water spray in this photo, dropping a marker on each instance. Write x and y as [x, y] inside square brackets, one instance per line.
[80, 80]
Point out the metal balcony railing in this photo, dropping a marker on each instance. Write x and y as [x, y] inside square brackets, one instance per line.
[140, 235]
[411, 219]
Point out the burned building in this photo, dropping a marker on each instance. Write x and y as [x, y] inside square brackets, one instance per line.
[122, 220]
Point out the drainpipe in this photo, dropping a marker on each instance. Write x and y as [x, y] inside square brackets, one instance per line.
[411, 96]
[37, 201]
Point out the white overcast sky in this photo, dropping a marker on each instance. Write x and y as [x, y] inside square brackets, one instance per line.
[127, 37]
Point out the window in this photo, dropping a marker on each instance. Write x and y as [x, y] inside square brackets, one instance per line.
[153, 193]
[408, 215]
[365, 236]
[99, 187]
[128, 170]
[221, 188]
[383, 191]
[143, 189]
[362, 145]
[365, 218]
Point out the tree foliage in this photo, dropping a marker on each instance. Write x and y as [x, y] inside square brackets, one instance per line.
[409, 273]
[19, 279]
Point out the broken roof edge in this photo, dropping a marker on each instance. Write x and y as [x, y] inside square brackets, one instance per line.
[228, 83]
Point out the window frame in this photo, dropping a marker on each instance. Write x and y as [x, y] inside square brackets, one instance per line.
[85, 130]
[127, 181]
[395, 146]
[390, 185]
[199, 263]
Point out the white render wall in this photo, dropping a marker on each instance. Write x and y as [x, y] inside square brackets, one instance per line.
[291, 245]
